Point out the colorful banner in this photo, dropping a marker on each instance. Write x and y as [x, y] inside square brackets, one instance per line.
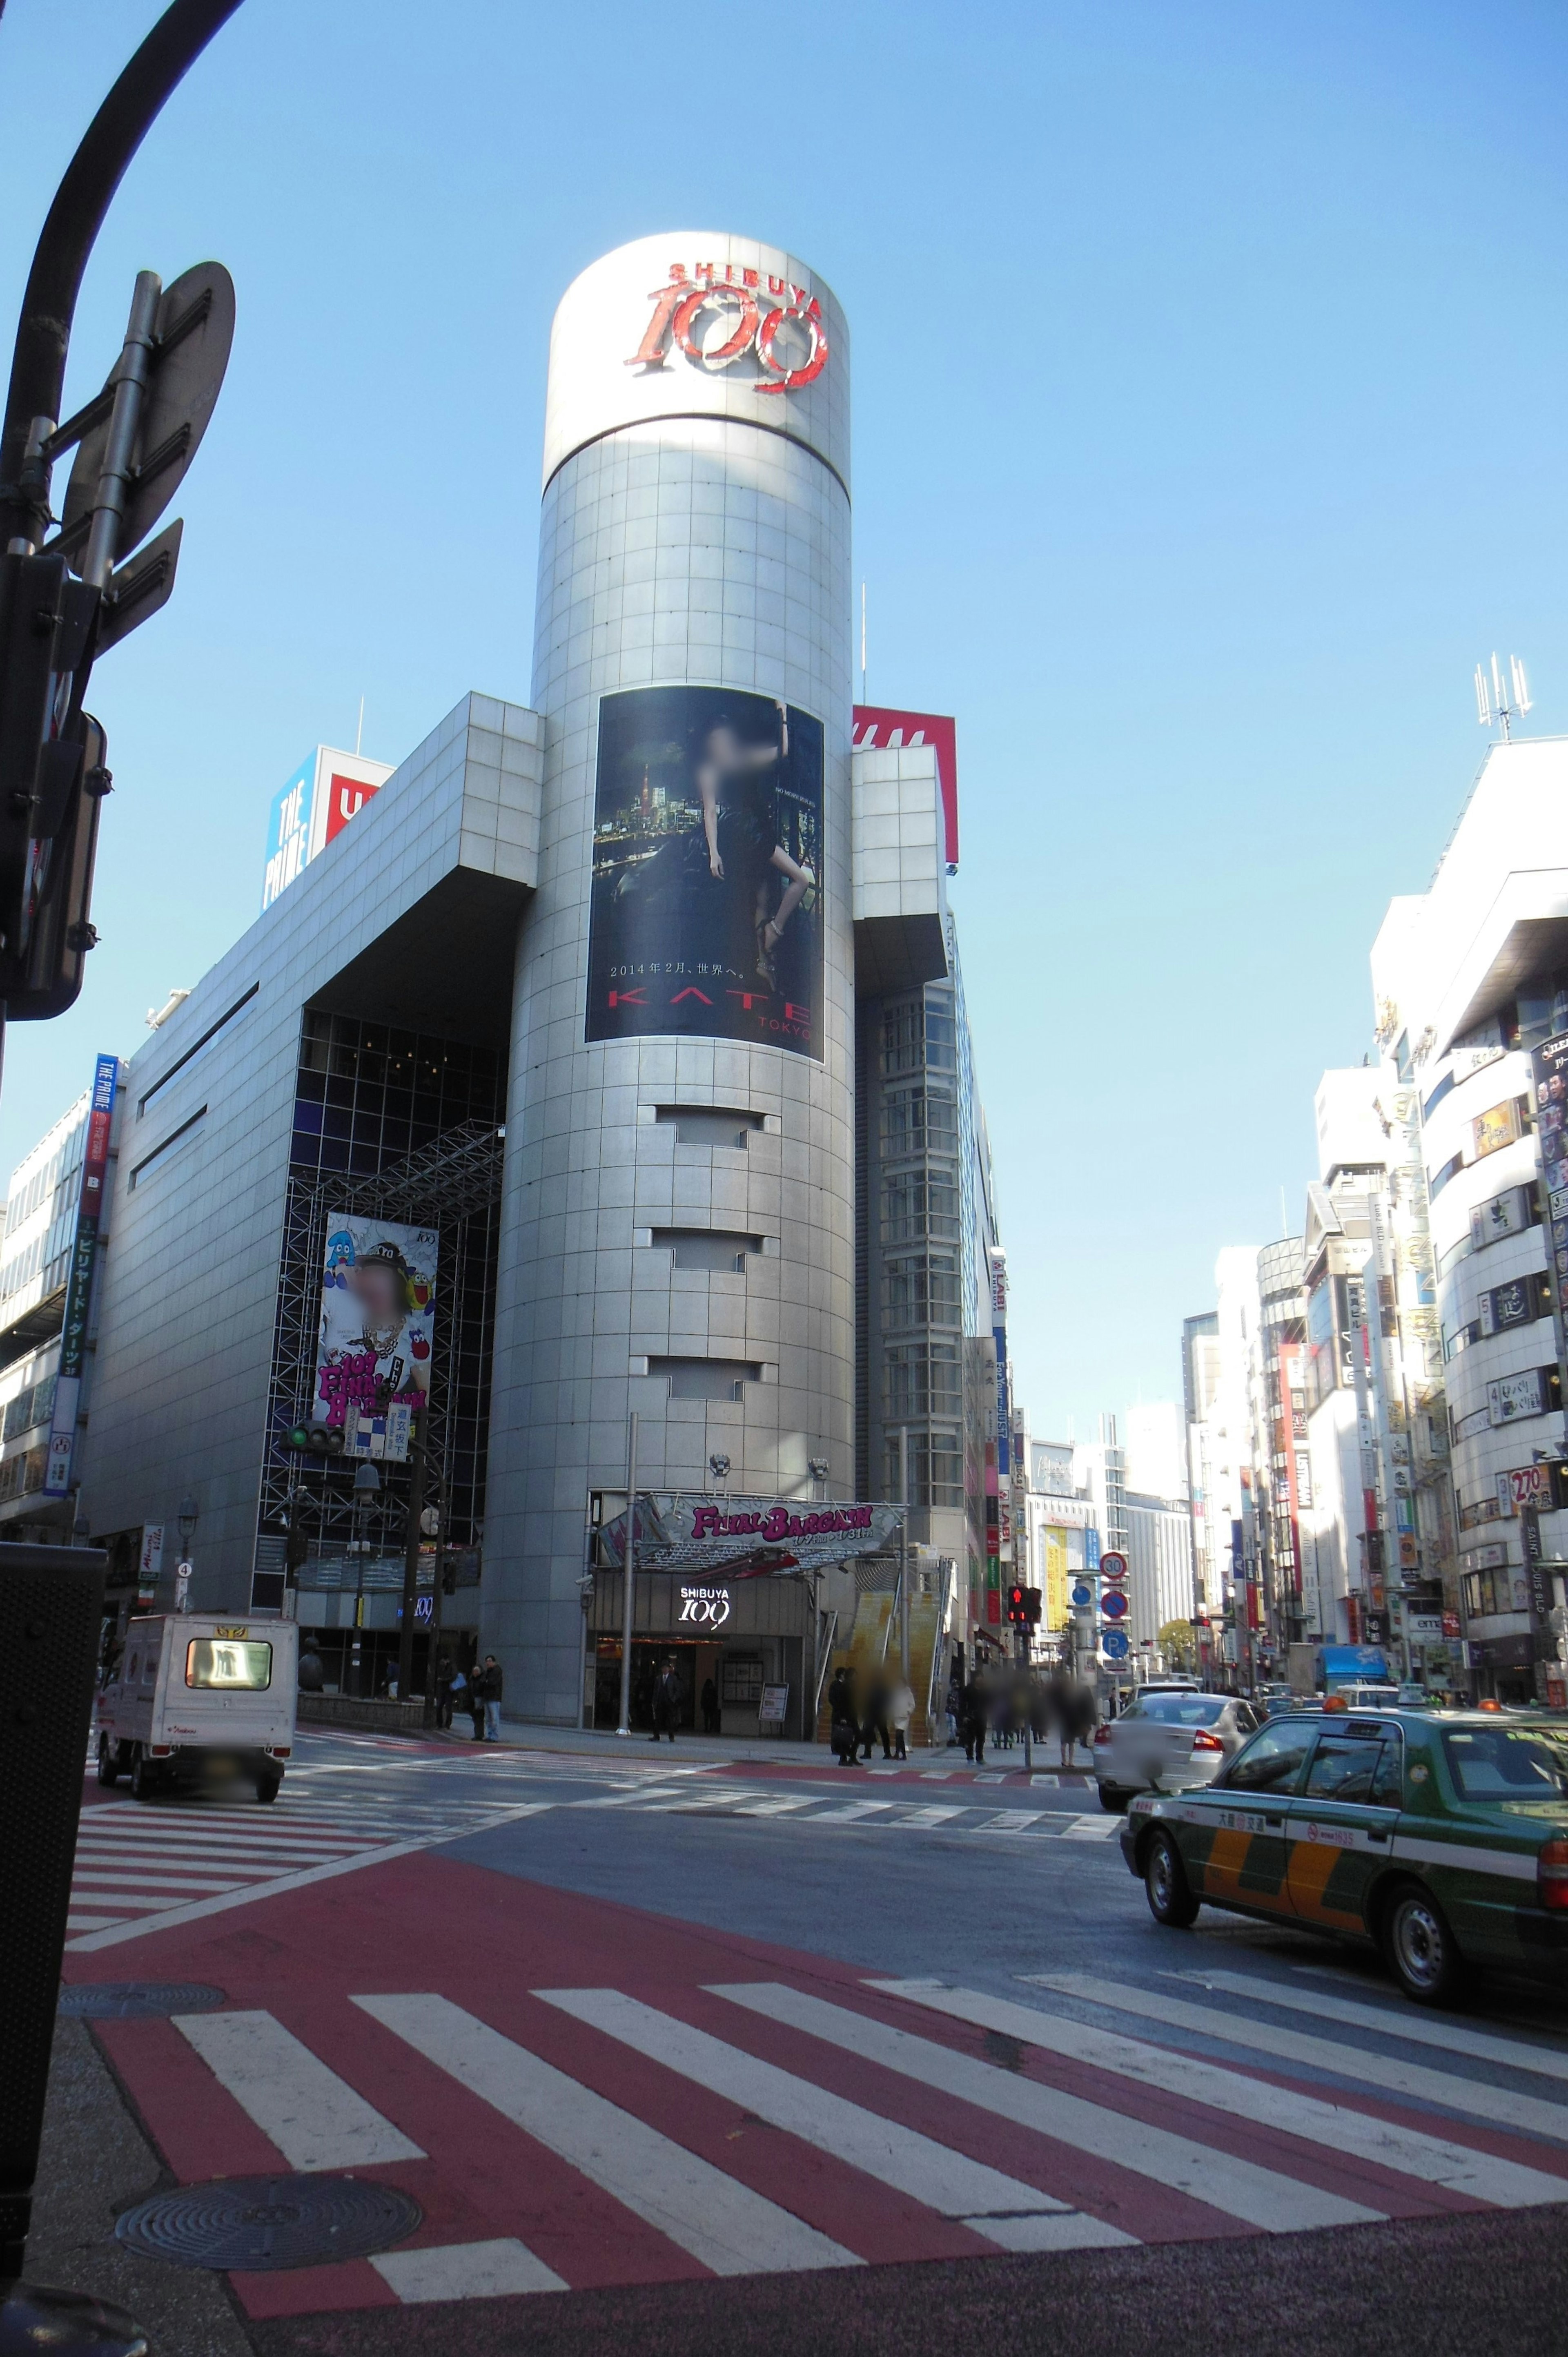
[78, 1285]
[748, 1537]
[378, 1313]
[706, 910]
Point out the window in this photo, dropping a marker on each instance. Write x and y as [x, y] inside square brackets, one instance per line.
[710, 1125]
[230, 1664]
[920, 1290]
[195, 1049]
[709, 1248]
[918, 1206]
[921, 1380]
[1440, 1177]
[1183, 1709]
[918, 1120]
[935, 1470]
[710, 1379]
[175, 1137]
[1272, 1762]
[1348, 1768]
[1509, 1763]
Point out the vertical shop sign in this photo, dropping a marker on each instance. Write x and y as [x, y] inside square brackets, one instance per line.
[79, 1285]
[1548, 1077]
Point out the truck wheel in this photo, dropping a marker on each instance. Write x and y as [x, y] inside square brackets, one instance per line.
[1421, 1951]
[268, 1787]
[145, 1779]
[108, 1761]
[1166, 1885]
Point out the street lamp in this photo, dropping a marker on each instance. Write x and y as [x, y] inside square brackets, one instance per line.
[367, 1488]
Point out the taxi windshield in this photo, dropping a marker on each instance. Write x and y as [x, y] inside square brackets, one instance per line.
[1509, 1763]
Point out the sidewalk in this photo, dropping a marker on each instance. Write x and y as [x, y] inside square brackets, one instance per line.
[725, 1751]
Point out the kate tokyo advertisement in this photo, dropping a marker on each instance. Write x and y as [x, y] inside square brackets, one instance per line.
[377, 1311]
[706, 914]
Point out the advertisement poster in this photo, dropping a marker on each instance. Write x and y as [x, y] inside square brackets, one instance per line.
[706, 908]
[378, 1311]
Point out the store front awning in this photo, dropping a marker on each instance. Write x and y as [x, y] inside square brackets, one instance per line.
[748, 1538]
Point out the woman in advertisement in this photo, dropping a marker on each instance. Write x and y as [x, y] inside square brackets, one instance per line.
[736, 789]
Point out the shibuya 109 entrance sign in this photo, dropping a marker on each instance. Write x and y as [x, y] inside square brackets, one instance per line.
[749, 1536]
[719, 315]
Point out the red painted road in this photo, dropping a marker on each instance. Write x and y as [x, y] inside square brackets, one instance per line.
[487, 1941]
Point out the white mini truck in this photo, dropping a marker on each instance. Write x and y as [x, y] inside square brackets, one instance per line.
[199, 1701]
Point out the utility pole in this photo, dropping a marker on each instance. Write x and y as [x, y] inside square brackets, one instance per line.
[411, 1561]
[60, 605]
[628, 1577]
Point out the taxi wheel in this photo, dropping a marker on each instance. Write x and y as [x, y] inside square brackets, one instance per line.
[1170, 1898]
[1421, 1952]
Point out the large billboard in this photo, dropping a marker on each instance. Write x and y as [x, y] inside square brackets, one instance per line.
[378, 1313]
[706, 910]
[324, 793]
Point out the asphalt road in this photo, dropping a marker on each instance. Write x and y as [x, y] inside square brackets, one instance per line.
[624, 2029]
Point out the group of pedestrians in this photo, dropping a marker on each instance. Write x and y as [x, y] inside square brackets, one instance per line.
[998, 1705]
[477, 1691]
[884, 1716]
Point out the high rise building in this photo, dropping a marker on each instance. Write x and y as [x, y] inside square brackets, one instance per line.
[587, 1073]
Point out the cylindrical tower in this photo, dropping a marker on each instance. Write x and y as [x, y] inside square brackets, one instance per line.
[678, 1222]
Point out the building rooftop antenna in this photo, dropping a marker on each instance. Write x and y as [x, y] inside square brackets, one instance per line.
[1504, 700]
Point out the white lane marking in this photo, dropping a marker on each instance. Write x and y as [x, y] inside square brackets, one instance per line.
[1091, 1828]
[724, 2225]
[773, 1807]
[946, 2182]
[934, 1812]
[936, 1775]
[1400, 2077]
[1010, 1820]
[1398, 2018]
[89, 1922]
[314, 2118]
[464, 2271]
[850, 1811]
[621, 1799]
[1052, 1784]
[273, 1886]
[1261, 2196]
[1410, 2152]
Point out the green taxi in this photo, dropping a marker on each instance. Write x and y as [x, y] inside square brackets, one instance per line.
[1439, 1836]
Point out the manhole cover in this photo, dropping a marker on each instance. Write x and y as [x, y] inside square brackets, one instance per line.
[264, 2222]
[137, 2000]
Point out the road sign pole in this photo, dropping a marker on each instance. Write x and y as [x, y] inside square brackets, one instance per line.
[628, 1577]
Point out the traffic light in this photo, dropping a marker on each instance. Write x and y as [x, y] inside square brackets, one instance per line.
[1017, 1606]
[316, 1440]
[53, 777]
[1033, 1605]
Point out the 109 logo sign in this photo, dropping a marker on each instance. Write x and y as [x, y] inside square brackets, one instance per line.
[716, 319]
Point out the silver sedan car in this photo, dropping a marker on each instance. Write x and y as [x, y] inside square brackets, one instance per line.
[1168, 1742]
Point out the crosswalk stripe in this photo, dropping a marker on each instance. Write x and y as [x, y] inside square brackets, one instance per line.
[492, 2270]
[1011, 1821]
[934, 1812]
[314, 2118]
[274, 1884]
[1398, 2019]
[624, 1800]
[772, 1807]
[849, 1810]
[1410, 2152]
[946, 2182]
[1091, 1828]
[720, 2221]
[103, 1881]
[1259, 2196]
[1400, 2077]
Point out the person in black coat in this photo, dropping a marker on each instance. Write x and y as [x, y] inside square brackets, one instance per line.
[710, 1701]
[843, 1725]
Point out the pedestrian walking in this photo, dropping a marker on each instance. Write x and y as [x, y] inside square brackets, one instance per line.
[953, 1706]
[710, 1701]
[843, 1725]
[873, 1727]
[972, 1722]
[477, 1700]
[492, 1699]
[668, 1696]
[444, 1681]
[1083, 1717]
[900, 1711]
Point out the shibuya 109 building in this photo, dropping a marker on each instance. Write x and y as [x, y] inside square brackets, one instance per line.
[607, 1057]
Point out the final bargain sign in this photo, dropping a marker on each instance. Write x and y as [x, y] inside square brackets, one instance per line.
[749, 1536]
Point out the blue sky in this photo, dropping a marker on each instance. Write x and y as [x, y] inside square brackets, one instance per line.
[1208, 368]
